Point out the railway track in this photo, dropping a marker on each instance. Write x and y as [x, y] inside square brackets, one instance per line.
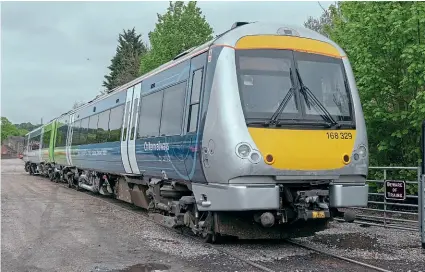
[363, 221]
[137, 211]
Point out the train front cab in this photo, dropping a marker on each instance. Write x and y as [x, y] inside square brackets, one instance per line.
[298, 165]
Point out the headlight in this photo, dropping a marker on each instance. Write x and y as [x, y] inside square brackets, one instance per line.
[362, 151]
[244, 150]
[255, 157]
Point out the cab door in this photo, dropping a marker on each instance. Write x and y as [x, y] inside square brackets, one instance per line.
[194, 98]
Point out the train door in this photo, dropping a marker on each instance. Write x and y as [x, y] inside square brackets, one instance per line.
[26, 147]
[40, 146]
[69, 139]
[132, 129]
[124, 131]
[128, 137]
[53, 141]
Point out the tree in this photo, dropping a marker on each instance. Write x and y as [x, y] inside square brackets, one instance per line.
[182, 27]
[385, 42]
[77, 104]
[323, 24]
[8, 129]
[26, 126]
[125, 64]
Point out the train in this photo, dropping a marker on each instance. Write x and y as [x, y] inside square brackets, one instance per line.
[256, 134]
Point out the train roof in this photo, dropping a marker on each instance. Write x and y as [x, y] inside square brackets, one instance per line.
[229, 38]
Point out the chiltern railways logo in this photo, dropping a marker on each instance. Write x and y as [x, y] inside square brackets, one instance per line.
[92, 152]
[156, 146]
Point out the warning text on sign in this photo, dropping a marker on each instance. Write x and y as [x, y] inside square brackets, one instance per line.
[395, 189]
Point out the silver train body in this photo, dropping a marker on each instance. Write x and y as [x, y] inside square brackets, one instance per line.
[278, 144]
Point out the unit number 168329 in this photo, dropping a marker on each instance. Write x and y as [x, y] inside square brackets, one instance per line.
[339, 135]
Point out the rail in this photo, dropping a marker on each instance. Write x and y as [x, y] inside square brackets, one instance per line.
[414, 213]
[389, 213]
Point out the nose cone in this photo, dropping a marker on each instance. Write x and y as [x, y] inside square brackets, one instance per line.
[308, 150]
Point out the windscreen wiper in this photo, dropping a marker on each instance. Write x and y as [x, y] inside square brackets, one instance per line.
[283, 103]
[282, 106]
[308, 94]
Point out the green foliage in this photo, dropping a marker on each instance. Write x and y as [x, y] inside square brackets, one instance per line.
[322, 23]
[182, 27]
[8, 129]
[385, 42]
[26, 126]
[125, 64]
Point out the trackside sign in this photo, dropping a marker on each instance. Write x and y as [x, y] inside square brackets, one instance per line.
[395, 189]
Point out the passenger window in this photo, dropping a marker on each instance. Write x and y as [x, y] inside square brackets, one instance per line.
[115, 123]
[46, 139]
[194, 100]
[193, 115]
[91, 133]
[102, 127]
[150, 115]
[133, 118]
[64, 131]
[172, 109]
[83, 131]
[196, 86]
[59, 135]
[35, 143]
[126, 114]
[76, 133]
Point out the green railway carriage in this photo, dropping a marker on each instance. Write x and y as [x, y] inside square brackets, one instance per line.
[40, 157]
[48, 138]
[59, 151]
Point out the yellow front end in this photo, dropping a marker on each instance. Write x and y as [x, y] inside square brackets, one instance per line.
[263, 78]
[292, 149]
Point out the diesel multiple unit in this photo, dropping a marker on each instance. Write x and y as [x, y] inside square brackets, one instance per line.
[257, 133]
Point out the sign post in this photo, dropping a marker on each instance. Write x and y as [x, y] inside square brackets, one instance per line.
[421, 190]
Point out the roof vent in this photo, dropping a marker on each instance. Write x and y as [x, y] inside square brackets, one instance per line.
[285, 31]
[237, 24]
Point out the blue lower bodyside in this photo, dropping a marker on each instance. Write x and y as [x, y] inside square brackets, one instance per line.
[178, 156]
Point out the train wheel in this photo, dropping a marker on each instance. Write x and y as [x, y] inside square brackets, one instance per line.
[208, 234]
[77, 187]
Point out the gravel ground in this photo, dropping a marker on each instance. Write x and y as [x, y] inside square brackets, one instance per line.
[392, 249]
[48, 227]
